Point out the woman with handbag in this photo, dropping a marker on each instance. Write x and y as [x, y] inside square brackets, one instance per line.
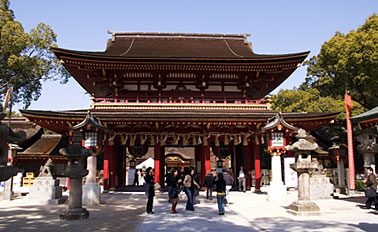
[187, 185]
[371, 191]
[174, 189]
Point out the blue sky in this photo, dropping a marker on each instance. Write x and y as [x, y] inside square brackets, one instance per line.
[275, 26]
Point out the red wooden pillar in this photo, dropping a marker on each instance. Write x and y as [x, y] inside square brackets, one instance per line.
[159, 158]
[248, 161]
[112, 168]
[257, 165]
[106, 166]
[205, 161]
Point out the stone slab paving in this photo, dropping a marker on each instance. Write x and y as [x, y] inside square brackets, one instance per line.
[247, 212]
[252, 212]
[121, 212]
[204, 218]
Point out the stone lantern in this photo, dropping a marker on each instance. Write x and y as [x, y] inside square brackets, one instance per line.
[6, 172]
[277, 129]
[7, 136]
[75, 170]
[92, 132]
[339, 152]
[304, 166]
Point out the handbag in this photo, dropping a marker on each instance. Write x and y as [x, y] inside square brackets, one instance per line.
[370, 193]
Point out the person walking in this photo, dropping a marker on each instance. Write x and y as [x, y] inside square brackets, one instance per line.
[194, 188]
[150, 189]
[221, 192]
[136, 178]
[229, 182]
[187, 185]
[174, 189]
[209, 185]
[371, 191]
[241, 179]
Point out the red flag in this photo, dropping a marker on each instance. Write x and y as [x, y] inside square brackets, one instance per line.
[348, 102]
[351, 177]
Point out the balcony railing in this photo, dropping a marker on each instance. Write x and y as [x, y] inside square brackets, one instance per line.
[102, 103]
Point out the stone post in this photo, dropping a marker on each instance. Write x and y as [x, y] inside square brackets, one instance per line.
[91, 189]
[341, 176]
[277, 190]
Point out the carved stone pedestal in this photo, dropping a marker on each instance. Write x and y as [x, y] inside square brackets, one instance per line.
[91, 190]
[304, 208]
[91, 194]
[46, 190]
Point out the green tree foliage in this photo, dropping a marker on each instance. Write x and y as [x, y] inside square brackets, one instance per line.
[348, 62]
[298, 100]
[25, 58]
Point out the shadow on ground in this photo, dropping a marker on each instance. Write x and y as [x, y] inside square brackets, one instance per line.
[121, 212]
[204, 218]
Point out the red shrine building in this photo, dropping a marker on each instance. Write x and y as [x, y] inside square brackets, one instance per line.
[161, 90]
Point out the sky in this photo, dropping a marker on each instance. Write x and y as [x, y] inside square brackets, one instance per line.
[276, 27]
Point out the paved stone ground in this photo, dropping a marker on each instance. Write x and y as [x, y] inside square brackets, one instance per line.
[247, 212]
[252, 212]
[120, 212]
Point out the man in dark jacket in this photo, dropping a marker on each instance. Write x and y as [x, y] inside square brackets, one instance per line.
[209, 184]
[371, 184]
[221, 192]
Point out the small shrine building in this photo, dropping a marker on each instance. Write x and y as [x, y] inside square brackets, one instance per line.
[160, 90]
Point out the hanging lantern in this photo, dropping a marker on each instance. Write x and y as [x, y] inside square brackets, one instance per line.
[92, 132]
[276, 131]
[220, 163]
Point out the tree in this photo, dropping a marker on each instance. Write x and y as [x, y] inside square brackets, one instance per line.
[348, 62]
[25, 58]
[298, 100]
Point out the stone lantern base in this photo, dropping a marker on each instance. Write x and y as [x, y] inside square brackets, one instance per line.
[74, 214]
[304, 208]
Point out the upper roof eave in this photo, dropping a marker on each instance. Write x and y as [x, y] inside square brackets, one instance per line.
[76, 114]
[97, 56]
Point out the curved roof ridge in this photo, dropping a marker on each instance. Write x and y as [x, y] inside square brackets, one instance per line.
[179, 35]
[229, 48]
[127, 51]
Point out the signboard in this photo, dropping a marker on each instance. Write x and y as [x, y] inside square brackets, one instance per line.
[291, 177]
[277, 139]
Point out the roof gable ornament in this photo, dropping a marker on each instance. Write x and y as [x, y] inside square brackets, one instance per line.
[90, 121]
[278, 122]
